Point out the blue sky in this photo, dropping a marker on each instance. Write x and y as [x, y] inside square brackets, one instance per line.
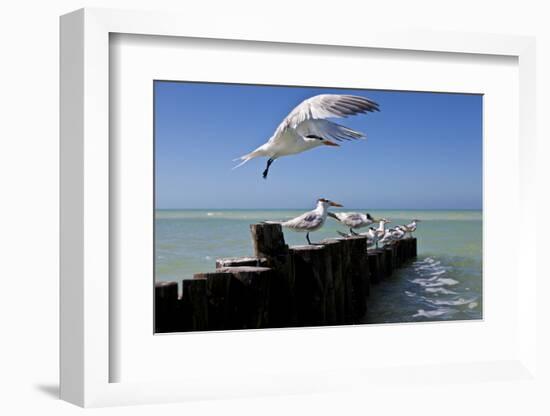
[423, 150]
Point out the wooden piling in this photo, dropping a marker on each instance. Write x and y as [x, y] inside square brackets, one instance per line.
[347, 273]
[400, 249]
[223, 300]
[359, 276]
[269, 243]
[406, 243]
[374, 267]
[383, 264]
[313, 272]
[395, 260]
[194, 302]
[381, 254]
[337, 294]
[390, 260]
[414, 248]
[167, 318]
[253, 287]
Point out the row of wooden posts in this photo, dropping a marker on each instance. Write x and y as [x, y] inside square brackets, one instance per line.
[281, 286]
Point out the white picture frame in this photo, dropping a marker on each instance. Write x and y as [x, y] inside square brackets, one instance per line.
[86, 264]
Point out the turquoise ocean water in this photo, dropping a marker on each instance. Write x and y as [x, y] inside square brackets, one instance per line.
[443, 283]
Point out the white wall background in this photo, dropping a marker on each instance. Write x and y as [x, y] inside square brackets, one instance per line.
[29, 208]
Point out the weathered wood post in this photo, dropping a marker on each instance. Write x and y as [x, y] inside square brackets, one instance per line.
[166, 307]
[412, 244]
[390, 260]
[383, 264]
[381, 253]
[340, 259]
[359, 276]
[194, 302]
[269, 243]
[407, 249]
[401, 252]
[374, 267]
[253, 284]
[395, 260]
[222, 300]
[313, 272]
[347, 276]
[406, 243]
[414, 250]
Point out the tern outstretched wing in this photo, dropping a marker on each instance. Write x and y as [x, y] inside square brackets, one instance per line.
[308, 120]
[326, 106]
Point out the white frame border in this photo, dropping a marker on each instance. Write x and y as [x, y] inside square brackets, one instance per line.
[84, 281]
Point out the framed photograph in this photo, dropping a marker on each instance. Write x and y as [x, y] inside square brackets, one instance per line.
[243, 215]
[423, 160]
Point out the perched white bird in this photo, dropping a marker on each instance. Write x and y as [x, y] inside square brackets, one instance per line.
[410, 228]
[392, 235]
[310, 221]
[398, 234]
[381, 230]
[352, 219]
[306, 127]
[372, 238]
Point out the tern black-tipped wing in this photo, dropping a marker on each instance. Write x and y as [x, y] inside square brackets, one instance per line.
[326, 106]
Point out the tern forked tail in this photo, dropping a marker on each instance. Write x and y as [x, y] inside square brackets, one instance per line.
[243, 159]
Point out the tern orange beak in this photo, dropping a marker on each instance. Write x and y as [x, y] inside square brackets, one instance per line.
[328, 143]
[335, 204]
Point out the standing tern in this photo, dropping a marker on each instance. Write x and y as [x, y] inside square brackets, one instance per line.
[392, 235]
[381, 230]
[352, 219]
[410, 228]
[306, 127]
[372, 237]
[310, 221]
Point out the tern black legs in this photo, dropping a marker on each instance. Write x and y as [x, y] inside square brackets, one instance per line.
[266, 171]
[352, 232]
[307, 238]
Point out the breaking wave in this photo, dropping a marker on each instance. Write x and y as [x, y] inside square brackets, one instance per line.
[432, 284]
